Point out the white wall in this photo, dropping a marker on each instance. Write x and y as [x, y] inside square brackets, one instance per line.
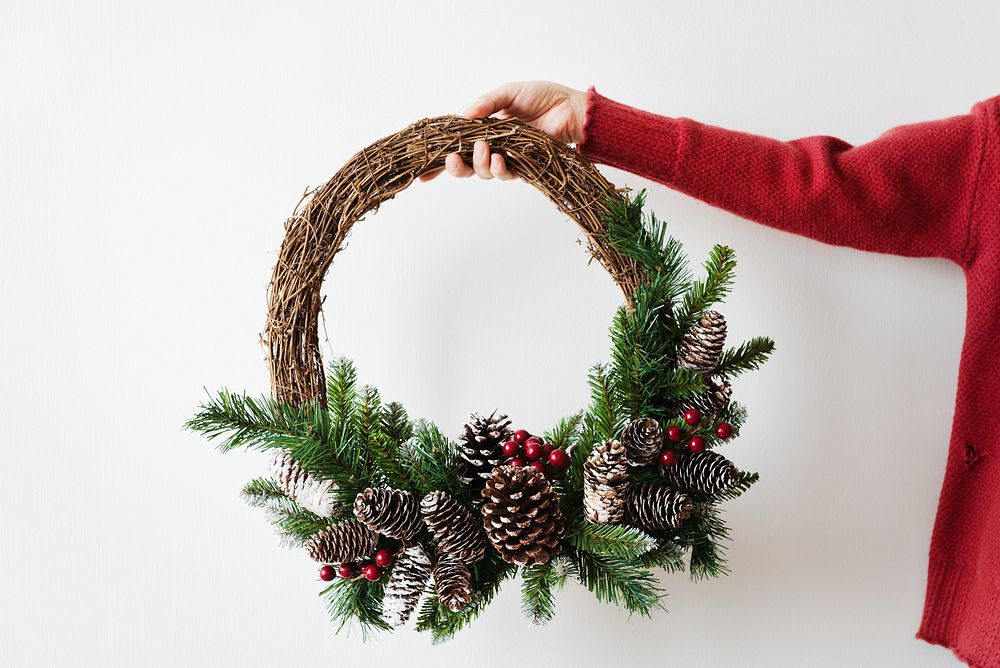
[150, 156]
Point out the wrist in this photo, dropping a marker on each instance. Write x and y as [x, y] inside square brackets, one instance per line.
[578, 103]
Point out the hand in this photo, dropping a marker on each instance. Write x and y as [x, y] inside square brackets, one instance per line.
[545, 105]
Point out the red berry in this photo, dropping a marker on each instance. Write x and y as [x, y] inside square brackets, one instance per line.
[696, 444]
[327, 573]
[383, 558]
[674, 433]
[538, 466]
[692, 416]
[510, 449]
[532, 450]
[668, 458]
[533, 439]
[559, 459]
[516, 461]
[723, 430]
[520, 436]
[347, 570]
[371, 572]
[547, 450]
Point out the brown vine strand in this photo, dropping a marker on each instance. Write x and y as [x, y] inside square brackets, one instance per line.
[319, 225]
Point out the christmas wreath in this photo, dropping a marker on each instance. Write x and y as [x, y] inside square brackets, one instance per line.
[400, 517]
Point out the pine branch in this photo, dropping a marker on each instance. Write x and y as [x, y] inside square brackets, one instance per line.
[667, 555]
[341, 392]
[748, 356]
[538, 583]
[606, 418]
[618, 581]
[433, 461]
[704, 533]
[356, 602]
[714, 288]
[565, 431]
[262, 492]
[487, 576]
[611, 540]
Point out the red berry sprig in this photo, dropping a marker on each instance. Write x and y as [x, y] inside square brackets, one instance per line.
[327, 573]
[525, 449]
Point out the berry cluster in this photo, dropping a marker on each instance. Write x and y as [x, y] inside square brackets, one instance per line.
[524, 449]
[350, 570]
[695, 441]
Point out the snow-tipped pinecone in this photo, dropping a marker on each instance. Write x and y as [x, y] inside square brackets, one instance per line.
[391, 512]
[349, 540]
[453, 583]
[307, 490]
[480, 448]
[702, 345]
[714, 399]
[458, 533]
[605, 479]
[656, 507]
[643, 440]
[703, 472]
[521, 516]
[407, 581]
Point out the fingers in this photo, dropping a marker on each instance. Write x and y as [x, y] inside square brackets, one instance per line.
[485, 165]
[496, 100]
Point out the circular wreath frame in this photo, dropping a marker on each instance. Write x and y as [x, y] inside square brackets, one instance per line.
[315, 232]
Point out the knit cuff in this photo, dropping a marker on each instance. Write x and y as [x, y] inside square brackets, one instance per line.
[962, 613]
[624, 137]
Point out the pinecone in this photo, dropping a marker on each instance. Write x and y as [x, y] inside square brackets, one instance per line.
[308, 491]
[458, 533]
[480, 448]
[453, 583]
[407, 581]
[656, 507]
[522, 516]
[390, 512]
[349, 540]
[605, 479]
[713, 400]
[702, 345]
[642, 439]
[703, 472]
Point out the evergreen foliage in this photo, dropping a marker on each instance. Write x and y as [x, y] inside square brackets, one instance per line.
[359, 441]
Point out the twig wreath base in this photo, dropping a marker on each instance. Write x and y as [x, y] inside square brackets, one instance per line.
[405, 521]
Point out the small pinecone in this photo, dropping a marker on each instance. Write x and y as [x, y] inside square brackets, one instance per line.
[643, 440]
[480, 448]
[522, 516]
[407, 581]
[390, 512]
[453, 583]
[703, 472]
[605, 479]
[702, 345]
[349, 540]
[656, 507]
[307, 490]
[458, 533]
[713, 400]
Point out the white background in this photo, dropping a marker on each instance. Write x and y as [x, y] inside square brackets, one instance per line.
[150, 154]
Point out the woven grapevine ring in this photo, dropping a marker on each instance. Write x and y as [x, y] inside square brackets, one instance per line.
[406, 521]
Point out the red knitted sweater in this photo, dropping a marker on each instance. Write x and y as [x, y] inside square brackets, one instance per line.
[929, 189]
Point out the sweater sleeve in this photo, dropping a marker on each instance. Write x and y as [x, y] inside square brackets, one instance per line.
[907, 192]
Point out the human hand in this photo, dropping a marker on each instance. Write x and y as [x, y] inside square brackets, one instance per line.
[550, 107]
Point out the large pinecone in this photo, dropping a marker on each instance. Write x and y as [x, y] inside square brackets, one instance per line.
[453, 583]
[605, 479]
[349, 540]
[407, 581]
[714, 399]
[307, 490]
[480, 448]
[656, 507]
[521, 515]
[458, 533]
[702, 345]
[391, 512]
[643, 440]
[704, 472]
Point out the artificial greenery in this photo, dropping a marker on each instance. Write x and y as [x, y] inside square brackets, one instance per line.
[359, 441]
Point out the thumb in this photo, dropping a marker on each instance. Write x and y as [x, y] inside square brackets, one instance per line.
[491, 102]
